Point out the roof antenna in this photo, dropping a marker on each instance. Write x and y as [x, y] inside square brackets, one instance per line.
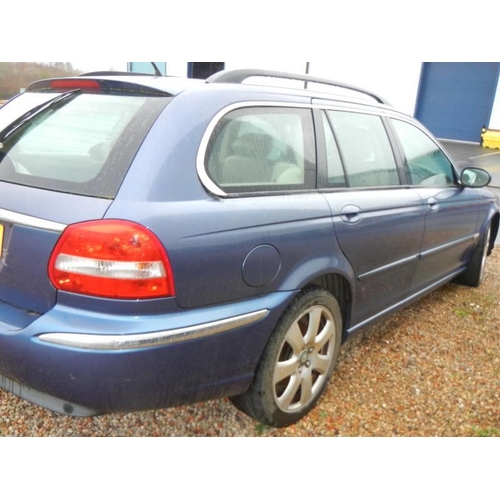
[157, 71]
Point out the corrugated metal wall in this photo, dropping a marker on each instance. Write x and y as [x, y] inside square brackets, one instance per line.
[455, 99]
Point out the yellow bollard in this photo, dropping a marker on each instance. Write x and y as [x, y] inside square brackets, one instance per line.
[490, 138]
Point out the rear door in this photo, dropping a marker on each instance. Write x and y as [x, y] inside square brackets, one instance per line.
[379, 224]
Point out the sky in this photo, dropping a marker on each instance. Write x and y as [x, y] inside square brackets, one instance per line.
[96, 65]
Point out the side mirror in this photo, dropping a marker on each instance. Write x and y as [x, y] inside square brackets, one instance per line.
[474, 177]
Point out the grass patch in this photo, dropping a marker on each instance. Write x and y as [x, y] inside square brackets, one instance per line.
[479, 432]
[260, 428]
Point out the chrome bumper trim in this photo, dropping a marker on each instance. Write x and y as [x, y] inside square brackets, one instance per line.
[152, 339]
[27, 220]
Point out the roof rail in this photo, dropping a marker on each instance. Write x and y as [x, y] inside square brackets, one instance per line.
[240, 75]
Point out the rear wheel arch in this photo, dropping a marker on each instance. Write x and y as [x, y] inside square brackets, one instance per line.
[340, 288]
[494, 225]
[297, 362]
[474, 273]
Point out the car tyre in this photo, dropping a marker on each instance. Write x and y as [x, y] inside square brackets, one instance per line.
[474, 274]
[298, 361]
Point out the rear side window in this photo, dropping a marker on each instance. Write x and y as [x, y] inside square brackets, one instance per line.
[365, 149]
[262, 149]
[83, 146]
[336, 176]
[425, 163]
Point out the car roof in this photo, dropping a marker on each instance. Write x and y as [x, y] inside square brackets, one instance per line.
[168, 85]
[234, 80]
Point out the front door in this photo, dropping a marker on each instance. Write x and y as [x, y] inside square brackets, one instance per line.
[451, 210]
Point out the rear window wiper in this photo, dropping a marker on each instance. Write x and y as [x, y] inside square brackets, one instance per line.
[34, 112]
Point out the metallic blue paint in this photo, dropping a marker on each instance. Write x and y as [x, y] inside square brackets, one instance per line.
[385, 257]
[139, 378]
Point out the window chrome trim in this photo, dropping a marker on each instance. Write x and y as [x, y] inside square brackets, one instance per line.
[215, 190]
[27, 220]
[152, 339]
[202, 150]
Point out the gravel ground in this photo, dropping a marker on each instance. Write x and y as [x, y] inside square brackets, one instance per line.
[430, 370]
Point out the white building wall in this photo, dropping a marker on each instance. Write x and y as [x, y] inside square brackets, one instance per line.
[495, 113]
[177, 68]
[396, 82]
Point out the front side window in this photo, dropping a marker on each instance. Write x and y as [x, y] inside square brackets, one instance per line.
[365, 148]
[262, 149]
[425, 163]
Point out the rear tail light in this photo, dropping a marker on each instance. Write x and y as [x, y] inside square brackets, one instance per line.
[74, 84]
[111, 258]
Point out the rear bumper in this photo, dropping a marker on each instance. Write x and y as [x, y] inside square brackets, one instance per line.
[45, 400]
[77, 362]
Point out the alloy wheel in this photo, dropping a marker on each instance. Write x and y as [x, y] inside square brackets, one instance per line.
[304, 359]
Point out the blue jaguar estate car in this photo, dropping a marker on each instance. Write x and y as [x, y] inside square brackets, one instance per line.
[166, 240]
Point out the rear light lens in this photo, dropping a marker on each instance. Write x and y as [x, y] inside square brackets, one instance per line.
[74, 84]
[111, 258]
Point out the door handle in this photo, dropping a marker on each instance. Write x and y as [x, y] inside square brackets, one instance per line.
[433, 204]
[350, 214]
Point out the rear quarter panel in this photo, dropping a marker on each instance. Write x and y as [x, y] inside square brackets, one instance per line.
[209, 239]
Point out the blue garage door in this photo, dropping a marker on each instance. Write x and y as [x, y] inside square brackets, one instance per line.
[455, 99]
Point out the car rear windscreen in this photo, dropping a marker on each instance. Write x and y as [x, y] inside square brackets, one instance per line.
[81, 143]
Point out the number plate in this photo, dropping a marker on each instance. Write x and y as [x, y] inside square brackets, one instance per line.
[1, 239]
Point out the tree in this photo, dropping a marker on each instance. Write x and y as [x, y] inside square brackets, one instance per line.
[15, 76]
